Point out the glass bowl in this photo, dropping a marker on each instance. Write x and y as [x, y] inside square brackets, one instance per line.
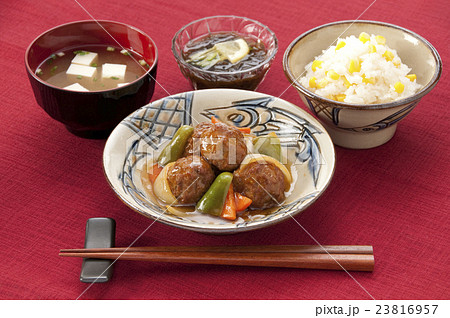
[248, 79]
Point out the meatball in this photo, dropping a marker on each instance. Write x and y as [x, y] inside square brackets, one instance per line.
[189, 178]
[193, 144]
[221, 145]
[263, 182]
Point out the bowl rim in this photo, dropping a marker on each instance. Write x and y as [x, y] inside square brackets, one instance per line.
[218, 230]
[268, 59]
[415, 97]
[147, 73]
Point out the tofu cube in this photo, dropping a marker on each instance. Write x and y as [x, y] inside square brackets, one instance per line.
[85, 58]
[114, 71]
[77, 87]
[76, 71]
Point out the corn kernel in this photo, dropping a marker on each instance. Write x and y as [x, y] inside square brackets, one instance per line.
[333, 75]
[322, 83]
[346, 82]
[368, 80]
[340, 45]
[372, 48]
[312, 82]
[316, 64]
[340, 97]
[364, 37]
[399, 87]
[331, 97]
[354, 66]
[396, 63]
[388, 55]
[380, 40]
[412, 77]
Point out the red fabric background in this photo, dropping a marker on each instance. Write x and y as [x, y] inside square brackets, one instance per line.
[394, 197]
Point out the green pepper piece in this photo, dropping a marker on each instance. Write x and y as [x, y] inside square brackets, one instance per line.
[213, 200]
[268, 145]
[176, 146]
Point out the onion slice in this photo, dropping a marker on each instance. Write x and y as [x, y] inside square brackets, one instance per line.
[161, 186]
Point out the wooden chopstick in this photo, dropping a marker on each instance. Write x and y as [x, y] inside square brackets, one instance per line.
[351, 258]
[332, 249]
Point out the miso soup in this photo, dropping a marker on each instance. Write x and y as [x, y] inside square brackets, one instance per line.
[92, 68]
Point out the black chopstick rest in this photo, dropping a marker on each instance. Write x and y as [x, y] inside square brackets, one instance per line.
[100, 233]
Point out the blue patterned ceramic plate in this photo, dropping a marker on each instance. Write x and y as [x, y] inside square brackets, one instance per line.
[142, 135]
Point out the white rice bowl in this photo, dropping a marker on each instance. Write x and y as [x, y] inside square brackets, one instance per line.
[384, 74]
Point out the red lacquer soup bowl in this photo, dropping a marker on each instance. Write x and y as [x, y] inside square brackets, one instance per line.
[92, 114]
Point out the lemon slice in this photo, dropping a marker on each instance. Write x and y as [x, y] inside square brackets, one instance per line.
[233, 51]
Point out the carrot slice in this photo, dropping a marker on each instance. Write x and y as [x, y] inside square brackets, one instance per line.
[245, 130]
[215, 120]
[242, 202]
[154, 172]
[229, 208]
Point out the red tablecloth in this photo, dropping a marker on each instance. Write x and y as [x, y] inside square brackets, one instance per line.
[394, 197]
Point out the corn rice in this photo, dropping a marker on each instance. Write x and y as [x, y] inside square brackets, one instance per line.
[360, 70]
